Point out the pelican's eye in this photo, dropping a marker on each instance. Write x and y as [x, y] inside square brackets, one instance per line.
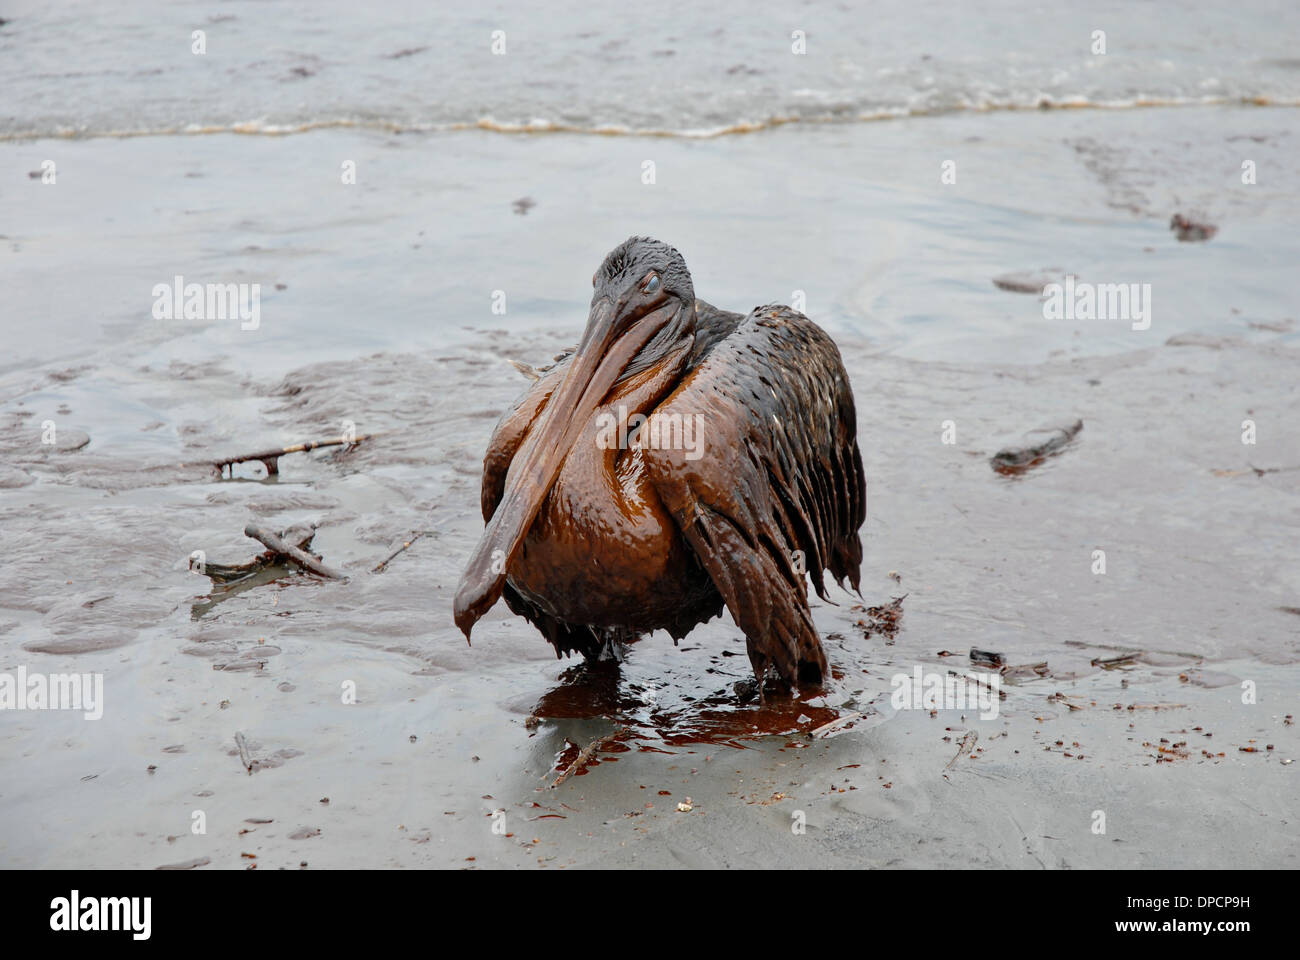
[651, 285]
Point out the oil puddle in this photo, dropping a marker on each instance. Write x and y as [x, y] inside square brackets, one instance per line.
[658, 699]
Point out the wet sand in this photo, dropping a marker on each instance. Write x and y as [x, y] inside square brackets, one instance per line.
[438, 739]
[1198, 586]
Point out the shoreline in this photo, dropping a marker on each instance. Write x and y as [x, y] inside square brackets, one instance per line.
[488, 124]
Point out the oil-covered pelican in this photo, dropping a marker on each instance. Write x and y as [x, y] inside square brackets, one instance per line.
[682, 458]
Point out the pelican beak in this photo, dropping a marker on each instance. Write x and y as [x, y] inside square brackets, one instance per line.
[610, 342]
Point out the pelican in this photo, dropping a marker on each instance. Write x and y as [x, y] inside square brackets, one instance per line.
[683, 458]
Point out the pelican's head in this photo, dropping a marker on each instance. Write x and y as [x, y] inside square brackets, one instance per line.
[642, 307]
[642, 302]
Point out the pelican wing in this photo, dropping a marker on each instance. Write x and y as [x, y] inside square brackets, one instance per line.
[507, 437]
[509, 434]
[765, 477]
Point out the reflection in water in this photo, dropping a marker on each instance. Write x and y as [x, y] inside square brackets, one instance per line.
[221, 592]
[655, 701]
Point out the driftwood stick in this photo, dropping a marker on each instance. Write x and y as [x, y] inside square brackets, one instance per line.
[1035, 447]
[415, 535]
[1038, 669]
[1260, 471]
[300, 557]
[383, 564]
[1002, 694]
[1109, 662]
[587, 754]
[271, 458]
[300, 535]
[836, 726]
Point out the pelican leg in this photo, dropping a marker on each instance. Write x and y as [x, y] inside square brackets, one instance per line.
[772, 611]
[612, 644]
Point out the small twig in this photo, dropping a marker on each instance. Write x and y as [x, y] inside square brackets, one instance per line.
[405, 544]
[300, 535]
[836, 726]
[288, 550]
[1156, 706]
[1038, 669]
[1251, 468]
[1035, 447]
[1260, 471]
[242, 744]
[1059, 697]
[967, 742]
[1002, 694]
[587, 754]
[270, 458]
[1109, 662]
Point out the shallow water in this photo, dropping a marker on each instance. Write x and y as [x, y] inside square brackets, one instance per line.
[855, 217]
[89, 67]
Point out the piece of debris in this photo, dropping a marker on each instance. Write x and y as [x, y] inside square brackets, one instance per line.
[288, 551]
[835, 727]
[300, 535]
[1251, 468]
[523, 205]
[1035, 447]
[967, 742]
[244, 756]
[271, 458]
[1025, 670]
[1282, 326]
[1029, 281]
[884, 619]
[1191, 231]
[588, 754]
[407, 52]
[1110, 663]
[405, 546]
[685, 806]
[986, 658]
[1059, 697]
[973, 678]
